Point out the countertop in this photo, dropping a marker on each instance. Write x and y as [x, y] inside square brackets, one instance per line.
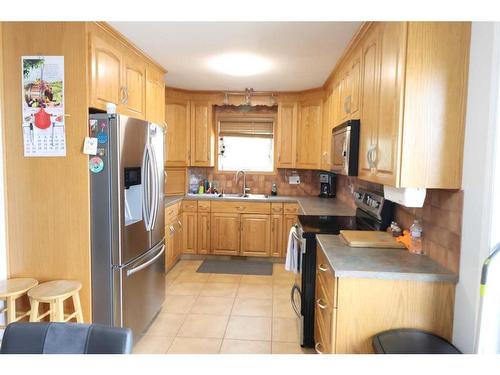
[373, 263]
[308, 205]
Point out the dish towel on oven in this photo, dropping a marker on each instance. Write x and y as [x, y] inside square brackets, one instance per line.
[292, 252]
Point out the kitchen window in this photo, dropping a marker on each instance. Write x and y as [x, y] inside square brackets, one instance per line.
[246, 144]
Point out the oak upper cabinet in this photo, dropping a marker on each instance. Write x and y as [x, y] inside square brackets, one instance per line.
[202, 134]
[286, 135]
[353, 98]
[225, 235]
[326, 138]
[189, 232]
[369, 98]
[255, 235]
[155, 95]
[203, 233]
[177, 136]
[105, 72]
[277, 247]
[133, 101]
[413, 103]
[308, 145]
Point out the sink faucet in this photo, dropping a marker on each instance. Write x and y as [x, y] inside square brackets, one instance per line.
[245, 189]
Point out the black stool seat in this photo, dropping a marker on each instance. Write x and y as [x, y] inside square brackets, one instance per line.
[411, 341]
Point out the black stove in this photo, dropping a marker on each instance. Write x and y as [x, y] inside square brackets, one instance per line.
[373, 213]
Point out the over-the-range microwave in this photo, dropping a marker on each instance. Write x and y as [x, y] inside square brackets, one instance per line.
[345, 148]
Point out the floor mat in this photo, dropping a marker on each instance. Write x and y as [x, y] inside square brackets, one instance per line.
[236, 267]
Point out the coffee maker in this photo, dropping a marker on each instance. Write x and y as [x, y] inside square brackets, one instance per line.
[327, 185]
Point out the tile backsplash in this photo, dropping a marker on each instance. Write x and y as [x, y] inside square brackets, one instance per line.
[259, 183]
[441, 219]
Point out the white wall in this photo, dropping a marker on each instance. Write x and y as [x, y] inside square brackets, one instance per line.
[479, 160]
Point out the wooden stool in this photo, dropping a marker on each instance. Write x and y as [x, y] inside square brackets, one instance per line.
[10, 291]
[55, 293]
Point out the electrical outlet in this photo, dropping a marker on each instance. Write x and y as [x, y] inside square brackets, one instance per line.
[294, 180]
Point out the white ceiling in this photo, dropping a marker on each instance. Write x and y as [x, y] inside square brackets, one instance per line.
[302, 54]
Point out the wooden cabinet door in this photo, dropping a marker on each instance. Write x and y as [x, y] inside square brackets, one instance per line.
[345, 93]
[203, 233]
[178, 237]
[326, 138]
[177, 141]
[155, 96]
[255, 235]
[355, 85]
[386, 138]
[286, 135]
[106, 72]
[189, 232]
[225, 234]
[288, 222]
[202, 134]
[369, 99]
[134, 85]
[170, 252]
[309, 135]
[277, 235]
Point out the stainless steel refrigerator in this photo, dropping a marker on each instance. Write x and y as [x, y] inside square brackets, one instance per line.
[127, 214]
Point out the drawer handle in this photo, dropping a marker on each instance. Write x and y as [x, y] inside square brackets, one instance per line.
[322, 305]
[318, 347]
[240, 208]
[322, 268]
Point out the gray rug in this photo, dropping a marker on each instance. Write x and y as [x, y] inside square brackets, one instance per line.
[236, 267]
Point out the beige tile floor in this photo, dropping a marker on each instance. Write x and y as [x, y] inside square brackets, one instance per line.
[227, 314]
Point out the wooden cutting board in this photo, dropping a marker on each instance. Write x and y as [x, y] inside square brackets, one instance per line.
[365, 238]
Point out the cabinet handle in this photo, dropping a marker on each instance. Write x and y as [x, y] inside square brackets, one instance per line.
[322, 268]
[272, 227]
[122, 94]
[240, 207]
[322, 304]
[279, 156]
[180, 224]
[189, 155]
[317, 348]
[208, 155]
[276, 209]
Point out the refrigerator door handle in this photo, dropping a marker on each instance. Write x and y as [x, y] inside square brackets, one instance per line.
[145, 189]
[148, 263]
[156, 188]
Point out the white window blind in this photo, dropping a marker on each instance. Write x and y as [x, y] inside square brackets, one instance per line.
[251, 127]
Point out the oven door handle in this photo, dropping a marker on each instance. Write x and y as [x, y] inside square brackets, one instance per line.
[292, 299]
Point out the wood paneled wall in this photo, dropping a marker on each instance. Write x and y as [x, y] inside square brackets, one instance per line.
[48, 201]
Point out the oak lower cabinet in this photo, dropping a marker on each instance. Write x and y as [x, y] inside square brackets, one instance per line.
[173, 242]
[190, 232]
[203, 233]
[277, 247]
[255, 235]
[350, 311]
[225, 234]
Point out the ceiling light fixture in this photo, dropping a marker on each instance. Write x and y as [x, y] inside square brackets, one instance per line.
[239, 64]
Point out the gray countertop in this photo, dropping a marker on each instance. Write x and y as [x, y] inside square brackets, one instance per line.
[308, 205]
[373, 263]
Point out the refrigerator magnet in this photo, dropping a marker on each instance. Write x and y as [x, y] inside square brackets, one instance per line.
[96, 164]
[102, 137]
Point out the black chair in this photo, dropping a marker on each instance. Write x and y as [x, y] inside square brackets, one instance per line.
[65, 338]
[411, 341]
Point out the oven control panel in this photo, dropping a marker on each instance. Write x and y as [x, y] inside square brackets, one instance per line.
[368, 201]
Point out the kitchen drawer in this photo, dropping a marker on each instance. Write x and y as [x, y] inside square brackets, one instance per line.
[171, 212]
[241, 207]
[323, 309]
[291, 208]
[203, 206]
[322, 346]
[189, 206]
[277, 208]
[326, 275]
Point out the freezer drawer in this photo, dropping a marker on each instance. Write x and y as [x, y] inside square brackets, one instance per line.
[141, 290]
